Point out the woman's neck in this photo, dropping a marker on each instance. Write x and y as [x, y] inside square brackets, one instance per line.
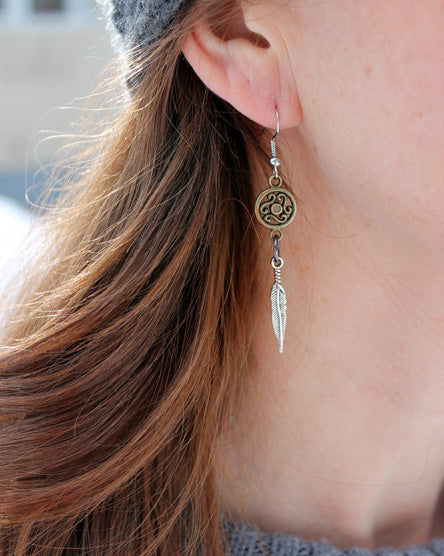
[341, 437]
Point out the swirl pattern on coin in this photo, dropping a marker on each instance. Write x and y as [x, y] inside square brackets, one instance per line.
[275, 207]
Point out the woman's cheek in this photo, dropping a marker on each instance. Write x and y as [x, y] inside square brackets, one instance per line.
[371, 84]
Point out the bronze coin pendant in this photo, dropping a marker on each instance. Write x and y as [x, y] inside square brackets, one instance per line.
[275, 207]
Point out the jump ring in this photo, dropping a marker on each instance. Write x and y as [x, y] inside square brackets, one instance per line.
[274, 265]
[276, 234]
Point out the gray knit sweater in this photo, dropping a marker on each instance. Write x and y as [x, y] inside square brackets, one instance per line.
[242, 540]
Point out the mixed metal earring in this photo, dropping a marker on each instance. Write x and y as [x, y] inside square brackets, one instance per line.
[275, 208]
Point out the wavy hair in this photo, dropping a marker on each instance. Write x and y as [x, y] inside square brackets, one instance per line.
[125, 352]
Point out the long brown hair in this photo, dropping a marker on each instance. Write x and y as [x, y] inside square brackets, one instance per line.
[126, 350]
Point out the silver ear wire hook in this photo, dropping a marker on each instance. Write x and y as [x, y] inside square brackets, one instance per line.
[277, 125]
[274, 160]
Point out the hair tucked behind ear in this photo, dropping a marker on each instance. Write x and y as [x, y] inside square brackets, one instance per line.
[124, 359]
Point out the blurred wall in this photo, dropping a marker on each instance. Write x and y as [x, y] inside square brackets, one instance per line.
[47, 60]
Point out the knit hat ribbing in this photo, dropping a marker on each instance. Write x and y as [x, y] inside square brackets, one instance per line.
[138, 22]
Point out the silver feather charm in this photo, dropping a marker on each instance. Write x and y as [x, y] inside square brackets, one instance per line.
[278, 307]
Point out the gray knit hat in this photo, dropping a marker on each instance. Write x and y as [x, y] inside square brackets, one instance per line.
[138, 22]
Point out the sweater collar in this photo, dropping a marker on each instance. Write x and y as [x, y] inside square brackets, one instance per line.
[242, 540]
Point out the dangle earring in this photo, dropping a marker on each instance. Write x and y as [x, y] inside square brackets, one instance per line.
[275, 208]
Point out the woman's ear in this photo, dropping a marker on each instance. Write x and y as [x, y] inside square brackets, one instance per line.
[244, 67]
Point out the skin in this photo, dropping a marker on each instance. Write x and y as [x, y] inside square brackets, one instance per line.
[341, 437]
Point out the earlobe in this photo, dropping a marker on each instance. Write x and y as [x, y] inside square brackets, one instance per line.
[239, 69]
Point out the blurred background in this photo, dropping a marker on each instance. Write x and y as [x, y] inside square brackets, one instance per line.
[51, 54]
